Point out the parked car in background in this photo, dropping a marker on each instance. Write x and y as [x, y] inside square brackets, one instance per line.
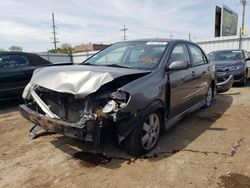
[16, 69]
[231, 62]
[138, 88]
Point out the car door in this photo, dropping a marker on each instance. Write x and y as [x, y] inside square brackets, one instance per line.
[12, 77]
[181, 87]
[201, 73]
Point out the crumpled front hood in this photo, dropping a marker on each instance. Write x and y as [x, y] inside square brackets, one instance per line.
[79, 80]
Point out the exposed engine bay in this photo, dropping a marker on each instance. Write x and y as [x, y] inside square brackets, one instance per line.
[85, 116]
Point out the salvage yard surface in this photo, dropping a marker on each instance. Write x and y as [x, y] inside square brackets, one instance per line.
[209, 148]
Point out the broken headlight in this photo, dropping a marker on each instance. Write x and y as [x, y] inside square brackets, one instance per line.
[111, 106]
[118, 100]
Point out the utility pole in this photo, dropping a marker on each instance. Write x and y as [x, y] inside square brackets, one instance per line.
[243, 3]
[240, 38]
[55, 40]
[124, 32]
[171, 35]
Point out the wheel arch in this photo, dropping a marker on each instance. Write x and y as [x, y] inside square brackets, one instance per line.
[213, 87]
[126, 126]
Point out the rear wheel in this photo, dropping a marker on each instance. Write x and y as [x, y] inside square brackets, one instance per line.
[145, 136]
[209, 97]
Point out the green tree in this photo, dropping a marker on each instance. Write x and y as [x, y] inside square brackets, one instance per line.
[65, 48]
[52, 51]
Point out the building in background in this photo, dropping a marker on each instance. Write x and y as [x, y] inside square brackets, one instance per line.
[89, 47]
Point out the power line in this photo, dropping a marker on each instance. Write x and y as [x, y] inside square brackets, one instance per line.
[55, 40]
[124, 32]
[171, 35]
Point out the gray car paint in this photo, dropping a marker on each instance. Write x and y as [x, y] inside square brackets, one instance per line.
[185, 88]
[79, 80]
[82, 80]
[177, 91]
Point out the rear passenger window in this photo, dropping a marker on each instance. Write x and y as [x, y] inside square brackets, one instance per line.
[179, 53]
[197, 55]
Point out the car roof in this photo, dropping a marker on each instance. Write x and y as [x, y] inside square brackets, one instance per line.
[157, 40]
[227, 50]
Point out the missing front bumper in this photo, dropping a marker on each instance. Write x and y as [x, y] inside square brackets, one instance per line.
[56, 125]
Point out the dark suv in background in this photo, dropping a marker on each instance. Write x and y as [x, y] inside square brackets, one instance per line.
[231, 62]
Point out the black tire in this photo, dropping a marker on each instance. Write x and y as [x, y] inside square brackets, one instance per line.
[209, 97]
[133, 144]
[244, 80]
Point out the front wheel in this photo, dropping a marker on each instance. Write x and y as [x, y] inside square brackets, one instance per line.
[145, 136]
[209, 97]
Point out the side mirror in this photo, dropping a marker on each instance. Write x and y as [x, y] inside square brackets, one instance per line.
[247, 59]
[178, 65]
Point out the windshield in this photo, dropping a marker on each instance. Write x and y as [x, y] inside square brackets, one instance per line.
[135, 55]
[226, 55]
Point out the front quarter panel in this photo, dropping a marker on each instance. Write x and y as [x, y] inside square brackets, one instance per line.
[145, 90]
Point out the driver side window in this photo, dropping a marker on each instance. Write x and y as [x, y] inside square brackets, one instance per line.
[179, 53]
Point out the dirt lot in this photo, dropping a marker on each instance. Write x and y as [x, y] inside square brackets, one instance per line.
[210, 148]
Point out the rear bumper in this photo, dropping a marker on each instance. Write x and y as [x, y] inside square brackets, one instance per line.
[225, 85]
[55, 125]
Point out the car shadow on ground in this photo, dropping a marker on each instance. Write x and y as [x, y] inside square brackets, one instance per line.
[9, 106]
[171, 142]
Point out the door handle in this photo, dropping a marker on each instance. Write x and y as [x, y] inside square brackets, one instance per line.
[193, 73]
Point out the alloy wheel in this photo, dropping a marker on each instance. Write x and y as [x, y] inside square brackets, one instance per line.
[209, 96]
[151, 131]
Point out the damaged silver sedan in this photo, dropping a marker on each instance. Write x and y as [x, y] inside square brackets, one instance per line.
[135, 88]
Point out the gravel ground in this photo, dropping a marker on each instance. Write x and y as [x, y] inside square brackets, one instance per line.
[209, 148]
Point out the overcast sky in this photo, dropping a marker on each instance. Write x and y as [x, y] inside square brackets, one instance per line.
[27, 23]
